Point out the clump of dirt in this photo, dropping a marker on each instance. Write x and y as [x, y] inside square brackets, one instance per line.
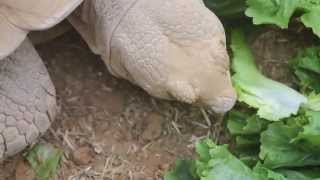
[108, 128]
[275, 48]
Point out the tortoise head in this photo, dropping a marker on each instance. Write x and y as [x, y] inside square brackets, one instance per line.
[175, 49]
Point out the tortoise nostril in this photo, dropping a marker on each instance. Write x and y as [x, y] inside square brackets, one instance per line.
[223, 104]
[182, 91]
[229, 93]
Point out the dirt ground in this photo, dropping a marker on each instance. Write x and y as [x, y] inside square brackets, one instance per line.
[108, 128]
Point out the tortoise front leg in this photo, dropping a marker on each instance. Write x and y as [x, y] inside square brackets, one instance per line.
[27, 100]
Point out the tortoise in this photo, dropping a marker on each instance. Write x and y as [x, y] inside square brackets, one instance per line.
[173, 49]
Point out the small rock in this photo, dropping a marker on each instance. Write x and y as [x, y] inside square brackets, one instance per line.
[83, 155]
[24, 171]
[153, 129]
[97, 148]
[164, 167]
[120, 177]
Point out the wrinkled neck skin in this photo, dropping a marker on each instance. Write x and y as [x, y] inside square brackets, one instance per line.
[96, 21]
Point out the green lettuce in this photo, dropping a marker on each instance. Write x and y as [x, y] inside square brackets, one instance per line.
[294, 142]
[44, 160]
[312, 174]
[313, 102]
[216, 162]
[263, 173]
[309, 137]
[279, 12]
[184, 170]
[306, 67]
[245, 129]
[241, 123]
[273, 100]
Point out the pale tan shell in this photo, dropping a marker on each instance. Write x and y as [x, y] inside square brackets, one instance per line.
[18, 17]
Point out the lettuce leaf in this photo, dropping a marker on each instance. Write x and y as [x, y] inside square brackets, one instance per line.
[241, 123]
[279, 12]
[263, 173]
[313, 102]
[44, 160]
[277, 150]
[292, 143]
[300, 175]
[273, 100]
[183, 171]
[245, 128]
[309, 137]
[306, 66]
[216, 163]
